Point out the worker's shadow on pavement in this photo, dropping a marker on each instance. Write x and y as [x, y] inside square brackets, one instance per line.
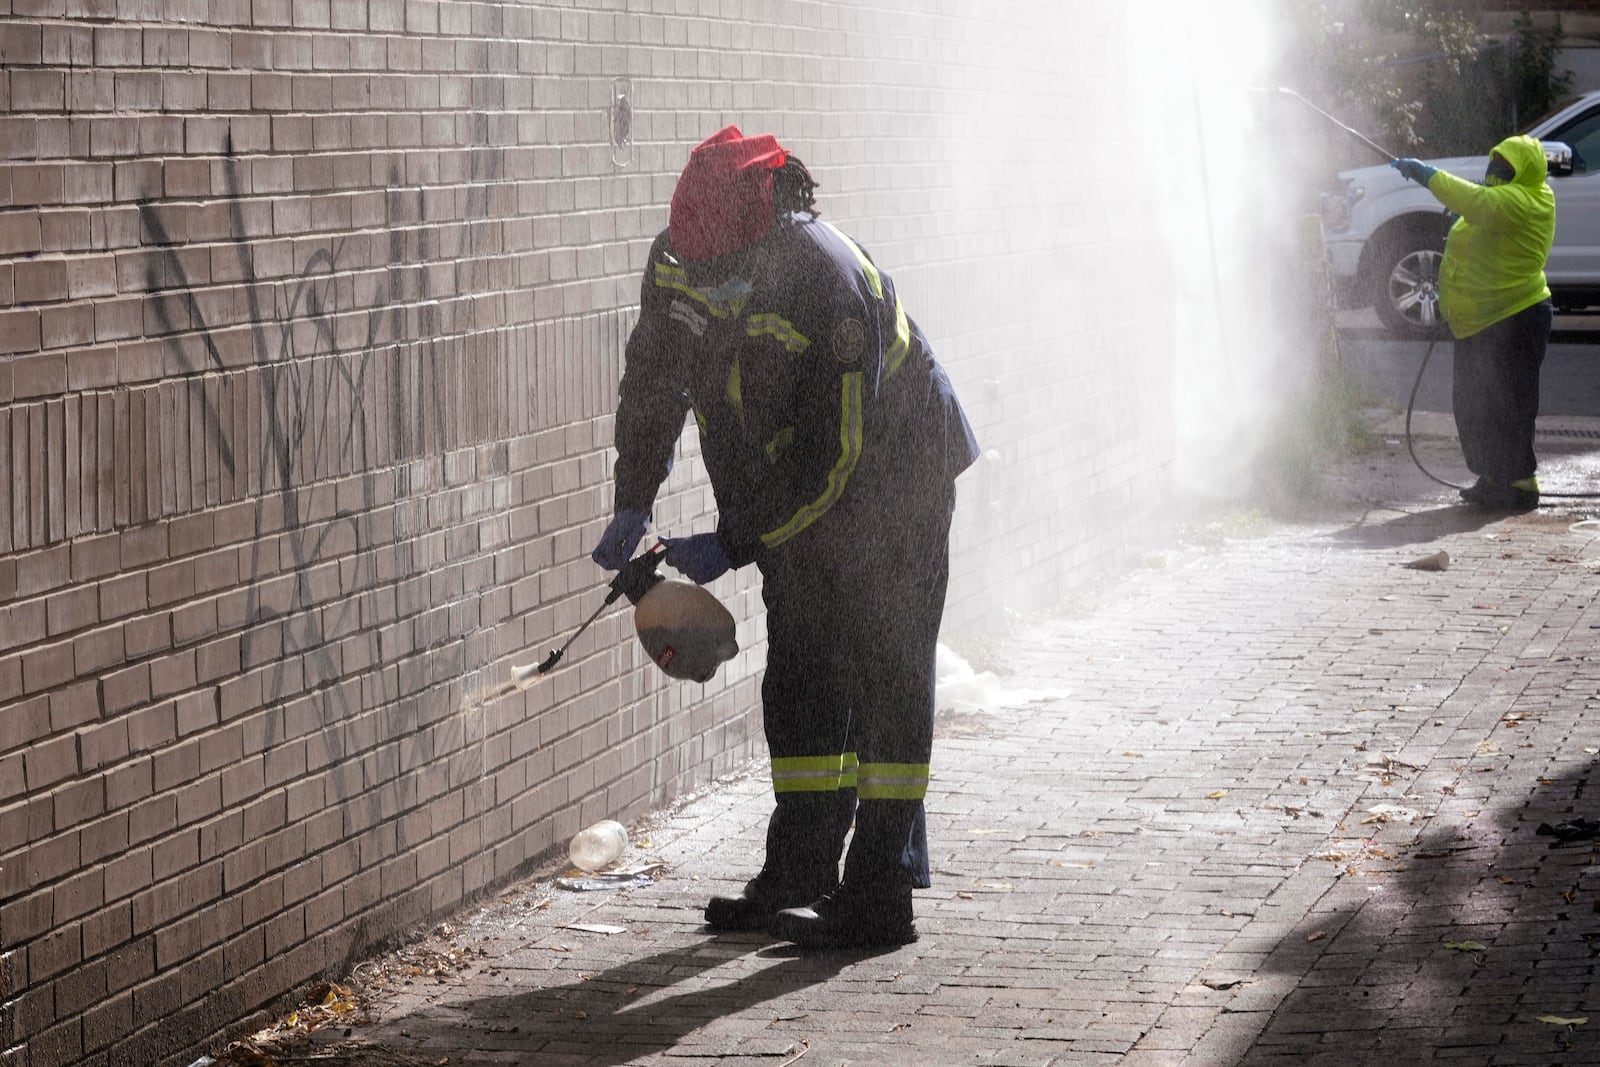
[619, 1014]
[1413, 527]
[1463, 940]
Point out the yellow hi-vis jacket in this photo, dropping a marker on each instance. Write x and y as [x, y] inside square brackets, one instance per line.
[1495, 253]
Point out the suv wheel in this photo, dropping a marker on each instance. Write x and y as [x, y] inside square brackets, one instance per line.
[1406, 286]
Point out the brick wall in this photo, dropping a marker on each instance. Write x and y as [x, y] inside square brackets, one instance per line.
[311, 318]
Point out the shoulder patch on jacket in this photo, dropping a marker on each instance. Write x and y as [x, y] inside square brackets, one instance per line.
[682, 312]
[849, 341]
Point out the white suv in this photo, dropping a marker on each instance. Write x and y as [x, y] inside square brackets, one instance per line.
[1385, 235]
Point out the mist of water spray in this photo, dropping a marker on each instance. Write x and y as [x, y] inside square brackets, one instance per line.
[1224, 208]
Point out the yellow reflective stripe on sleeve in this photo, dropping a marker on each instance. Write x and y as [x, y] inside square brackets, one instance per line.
[892, 781]
[902, 341]
[867, 266]
[896, 354]
[669, 277]
[806, 774]
[735, 391]
[770, 325]
[849, 454]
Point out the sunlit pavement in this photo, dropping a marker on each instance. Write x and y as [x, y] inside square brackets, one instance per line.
[1286, 812]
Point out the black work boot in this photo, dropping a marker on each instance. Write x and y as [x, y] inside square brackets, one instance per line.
[1518, 496]
[804, 837]
[762, 897]
[849, 918]
[1524, 495]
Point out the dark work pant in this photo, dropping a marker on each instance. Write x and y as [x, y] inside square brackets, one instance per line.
[852, 637]
[1495, 393]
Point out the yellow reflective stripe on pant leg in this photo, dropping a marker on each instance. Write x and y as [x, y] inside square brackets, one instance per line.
[892, 781]
[848, 772]
[805, 774]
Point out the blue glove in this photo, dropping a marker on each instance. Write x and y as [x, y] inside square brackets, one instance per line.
[1415, 170]
[699, 557]
[622, 536]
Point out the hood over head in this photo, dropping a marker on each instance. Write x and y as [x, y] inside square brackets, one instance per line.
[723, 201]
[1526, 156]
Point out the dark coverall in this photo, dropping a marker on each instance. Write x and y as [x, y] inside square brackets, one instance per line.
[832, 438]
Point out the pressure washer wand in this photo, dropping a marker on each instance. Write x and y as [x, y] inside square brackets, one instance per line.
[636, 578]
[1357, 134]
[548, 663]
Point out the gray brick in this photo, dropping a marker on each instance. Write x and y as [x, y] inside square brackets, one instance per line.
[24, 722]
[124, 689]
[49, 762]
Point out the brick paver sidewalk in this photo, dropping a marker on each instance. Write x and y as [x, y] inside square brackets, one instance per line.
[1286, 813]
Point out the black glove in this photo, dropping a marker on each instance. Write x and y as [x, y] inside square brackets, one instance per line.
[621, 537]
[700, 557]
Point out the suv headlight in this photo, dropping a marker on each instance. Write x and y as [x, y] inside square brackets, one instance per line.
[1335, 213]
[1335, 208]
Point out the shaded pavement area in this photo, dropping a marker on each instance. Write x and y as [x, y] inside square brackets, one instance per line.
[1285, 810]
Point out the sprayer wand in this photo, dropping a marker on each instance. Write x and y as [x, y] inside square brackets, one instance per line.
[636, 578]
[548, 663]
[1357, 134]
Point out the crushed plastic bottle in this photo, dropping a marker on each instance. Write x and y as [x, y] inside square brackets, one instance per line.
[598, 846]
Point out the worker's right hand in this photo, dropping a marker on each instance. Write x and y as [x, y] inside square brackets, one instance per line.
[1414, 170]
[700, 556]
[623, 534]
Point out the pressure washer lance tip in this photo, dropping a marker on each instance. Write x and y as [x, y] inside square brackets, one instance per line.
[524, 677]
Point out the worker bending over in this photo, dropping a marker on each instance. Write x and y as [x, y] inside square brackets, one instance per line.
[832, 439]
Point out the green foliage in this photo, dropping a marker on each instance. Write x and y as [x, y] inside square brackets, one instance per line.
[1420, 74]
[1536, 84]
[1339, 65]
[1443, 28]
[1465, 113]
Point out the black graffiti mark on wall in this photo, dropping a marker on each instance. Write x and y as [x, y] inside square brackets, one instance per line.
[294, 631]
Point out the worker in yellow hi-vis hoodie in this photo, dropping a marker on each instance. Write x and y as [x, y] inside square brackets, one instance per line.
[1493, 295]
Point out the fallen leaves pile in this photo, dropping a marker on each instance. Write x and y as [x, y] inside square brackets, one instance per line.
[324, 1003]
[287, 1043]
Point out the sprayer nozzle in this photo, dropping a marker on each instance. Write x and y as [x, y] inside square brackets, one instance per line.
[524, 677]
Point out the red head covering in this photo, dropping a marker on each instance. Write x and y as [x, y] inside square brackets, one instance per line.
[723, 201]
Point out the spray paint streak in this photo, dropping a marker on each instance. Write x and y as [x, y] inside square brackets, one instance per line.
[306, 382]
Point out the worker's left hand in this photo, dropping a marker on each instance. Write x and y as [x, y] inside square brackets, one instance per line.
[1415, 170]
[623, 534]
[700, 557]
